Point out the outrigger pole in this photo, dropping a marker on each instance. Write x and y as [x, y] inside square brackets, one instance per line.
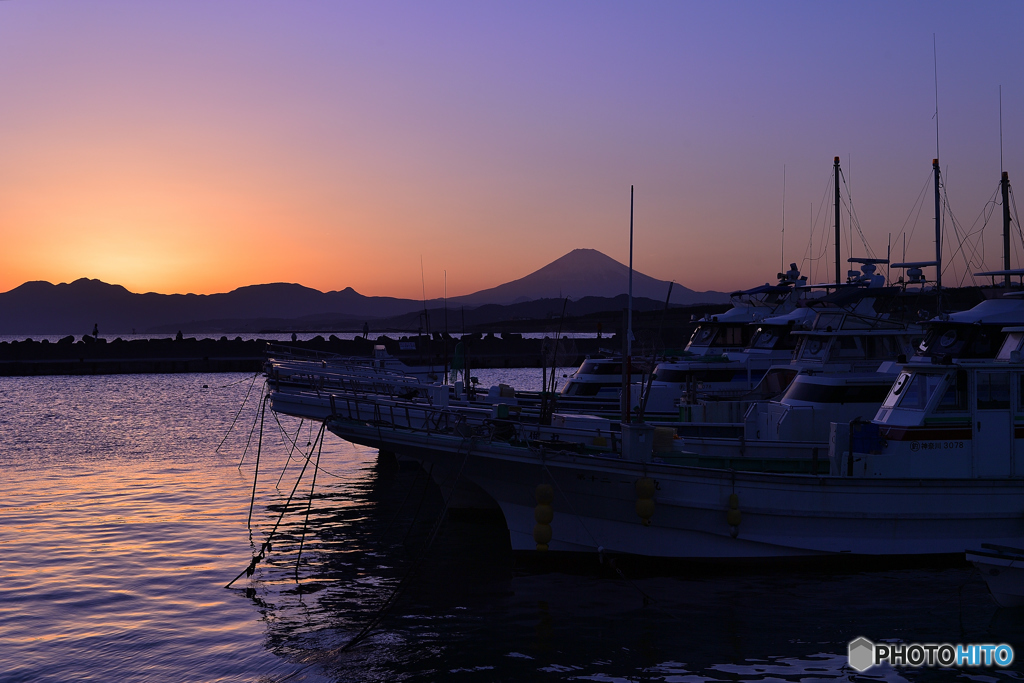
[1005, 182]
[835, 172]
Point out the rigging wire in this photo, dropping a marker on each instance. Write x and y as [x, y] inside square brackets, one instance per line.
[810, 257]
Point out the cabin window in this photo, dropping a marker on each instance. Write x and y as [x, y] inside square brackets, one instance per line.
[955, 397]
[666, 375]
[702, 335]
[940, 342]
[777, 381]
[919, 391]
[716, 375]
[835, 393]
[731, 336]
[897, 389]
[593, 368]
[590, 388]
[1010, 344]
[993, 390]
[881, 348]
[765, 339]
[983, 346]
[849, 347]
[814, 347]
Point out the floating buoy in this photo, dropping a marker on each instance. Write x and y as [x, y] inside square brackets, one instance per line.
[645, 488]
[543, 513]
[733, 516]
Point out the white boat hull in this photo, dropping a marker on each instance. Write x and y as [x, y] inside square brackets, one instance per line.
[782, 515]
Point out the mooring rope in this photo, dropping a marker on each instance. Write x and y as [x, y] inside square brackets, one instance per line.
[312, 488]
[251, 430]
[256, 474]
[294, 445]
[266, 547]
[217, 450]
[294, 442]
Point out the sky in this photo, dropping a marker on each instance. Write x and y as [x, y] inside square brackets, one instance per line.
[194, 146]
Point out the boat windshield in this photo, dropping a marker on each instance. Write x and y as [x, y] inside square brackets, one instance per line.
[814, 347]
[720, 335]
[1010, 344]
[915, 394]
[961, 341]
[590, 367]
[773, 338]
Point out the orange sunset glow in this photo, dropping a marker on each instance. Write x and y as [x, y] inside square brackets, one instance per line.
[188, 147]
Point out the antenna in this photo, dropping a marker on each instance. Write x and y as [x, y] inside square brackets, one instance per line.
[1000, 128]
[935, 169]
[782, 262]
[810, 244]
[423, 284]
[835, 173]
[445, 326]
[935, 65]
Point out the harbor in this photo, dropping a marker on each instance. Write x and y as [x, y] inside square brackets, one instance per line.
[672, 342]
[118, 538]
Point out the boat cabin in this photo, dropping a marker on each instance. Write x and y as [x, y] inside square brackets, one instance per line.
[961, 419]
[601, 378]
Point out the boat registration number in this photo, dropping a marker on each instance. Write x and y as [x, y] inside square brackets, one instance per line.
[935, 445]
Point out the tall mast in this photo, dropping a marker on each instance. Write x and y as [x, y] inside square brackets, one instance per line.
[629, 331]
[835, 172]
[938, 227]
[627, 365]
[1006, 225]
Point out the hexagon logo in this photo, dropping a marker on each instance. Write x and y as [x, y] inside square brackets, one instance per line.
[861, 654]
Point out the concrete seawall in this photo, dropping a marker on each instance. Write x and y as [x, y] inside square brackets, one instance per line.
[98, 356]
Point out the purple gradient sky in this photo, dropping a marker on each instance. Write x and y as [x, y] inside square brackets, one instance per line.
[198, 147]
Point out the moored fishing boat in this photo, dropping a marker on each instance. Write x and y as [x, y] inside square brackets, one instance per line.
[605, 490]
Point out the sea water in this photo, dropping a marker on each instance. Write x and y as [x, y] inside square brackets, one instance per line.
[124, 511]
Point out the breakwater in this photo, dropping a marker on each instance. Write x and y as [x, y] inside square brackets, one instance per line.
[98, 356]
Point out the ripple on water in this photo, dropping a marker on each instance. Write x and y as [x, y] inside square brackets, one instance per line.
[120, 522]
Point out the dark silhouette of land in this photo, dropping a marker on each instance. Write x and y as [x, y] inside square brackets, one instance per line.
[592, 280]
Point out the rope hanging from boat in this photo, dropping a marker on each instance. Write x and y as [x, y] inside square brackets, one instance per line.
[295, 445]
[266, 546]
[309, 505]
[256, 473]
[216, 450]
[251, 431]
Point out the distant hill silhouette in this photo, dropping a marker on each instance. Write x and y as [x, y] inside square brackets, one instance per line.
[582, 273]
[73, 308]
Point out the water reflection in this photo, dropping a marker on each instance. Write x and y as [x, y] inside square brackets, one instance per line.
[120, 523]
[469, 612]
